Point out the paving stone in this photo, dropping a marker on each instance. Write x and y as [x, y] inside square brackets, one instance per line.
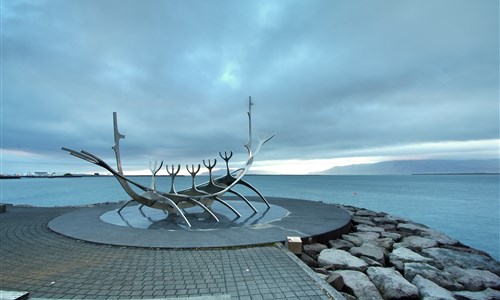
[87, 270]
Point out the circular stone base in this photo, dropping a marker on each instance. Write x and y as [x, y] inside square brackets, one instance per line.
[152, 228]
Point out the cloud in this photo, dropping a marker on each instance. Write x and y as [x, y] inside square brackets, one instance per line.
[331, 78]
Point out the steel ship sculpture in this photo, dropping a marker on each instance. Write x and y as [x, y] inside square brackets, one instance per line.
[202, 195]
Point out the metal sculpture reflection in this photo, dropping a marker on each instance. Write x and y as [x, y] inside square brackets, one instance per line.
[202, 195]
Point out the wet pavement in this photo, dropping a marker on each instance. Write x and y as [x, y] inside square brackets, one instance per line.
[50, 265]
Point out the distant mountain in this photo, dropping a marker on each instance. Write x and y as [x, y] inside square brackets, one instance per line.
[408, 167]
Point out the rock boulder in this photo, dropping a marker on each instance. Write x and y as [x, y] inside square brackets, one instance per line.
[488, 294]
[440, 277]
[368, 228]
[391, 284]
[308, 260]
[358, 284]
[474, 280]
[430, 291]
[406, 255]
[340, 244]
[313, 250]
[341, 259]
[370, 251]
[464, 260]
[416, 242]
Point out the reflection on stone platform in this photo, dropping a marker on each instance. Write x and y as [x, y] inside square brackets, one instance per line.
[147, 218]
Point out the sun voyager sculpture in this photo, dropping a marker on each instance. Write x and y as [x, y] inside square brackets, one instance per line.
[202, 195]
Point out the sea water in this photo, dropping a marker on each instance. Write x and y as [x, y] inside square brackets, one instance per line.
[466, 207]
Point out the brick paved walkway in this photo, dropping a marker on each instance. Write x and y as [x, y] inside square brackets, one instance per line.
[49, 265]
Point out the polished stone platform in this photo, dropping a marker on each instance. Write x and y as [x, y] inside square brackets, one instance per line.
[153, 228]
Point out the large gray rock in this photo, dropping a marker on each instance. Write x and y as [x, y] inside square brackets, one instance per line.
[412, 228]
[355, 240]
[399, 265]
[416, 242]
[371, 262]
[439, 237]
[362, 220]
[366, 213]
[366, 236]
[391, 284]
[387, 227]
[368, 228]
[488, 294]
[371, 251]
[348, 296]
[341, 259]
[424, 231]
[393, 235]
[406, 255]
[440, 277]
[340, 244]
[308, 260]
[314, 249]
[398, 219]
[336, 281]
[385, 220]
[464, 260]
[385, 243]
[430, 291]
[474, 280]
[359, 285]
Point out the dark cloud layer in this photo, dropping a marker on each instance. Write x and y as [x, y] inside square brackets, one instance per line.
[332, 78]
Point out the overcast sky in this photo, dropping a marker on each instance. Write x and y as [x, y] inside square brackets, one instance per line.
[339, 82]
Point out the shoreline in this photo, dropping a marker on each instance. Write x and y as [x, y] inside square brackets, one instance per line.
[391, 257]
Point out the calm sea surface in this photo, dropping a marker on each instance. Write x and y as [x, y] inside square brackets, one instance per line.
[466, 207]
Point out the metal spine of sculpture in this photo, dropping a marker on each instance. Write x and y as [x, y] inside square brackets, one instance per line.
[202, 195]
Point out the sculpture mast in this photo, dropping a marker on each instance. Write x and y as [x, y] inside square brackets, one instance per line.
[249, 144]
[116, 146]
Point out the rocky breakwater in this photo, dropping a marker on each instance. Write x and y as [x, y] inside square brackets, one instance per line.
[387, 257]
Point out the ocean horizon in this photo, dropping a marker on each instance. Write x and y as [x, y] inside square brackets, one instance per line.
[465, 207]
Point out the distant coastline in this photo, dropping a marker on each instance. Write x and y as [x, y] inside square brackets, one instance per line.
[425, 174]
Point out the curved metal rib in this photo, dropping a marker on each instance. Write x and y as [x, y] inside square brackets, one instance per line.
[204, 208]
[202, 195]
[244, 199]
